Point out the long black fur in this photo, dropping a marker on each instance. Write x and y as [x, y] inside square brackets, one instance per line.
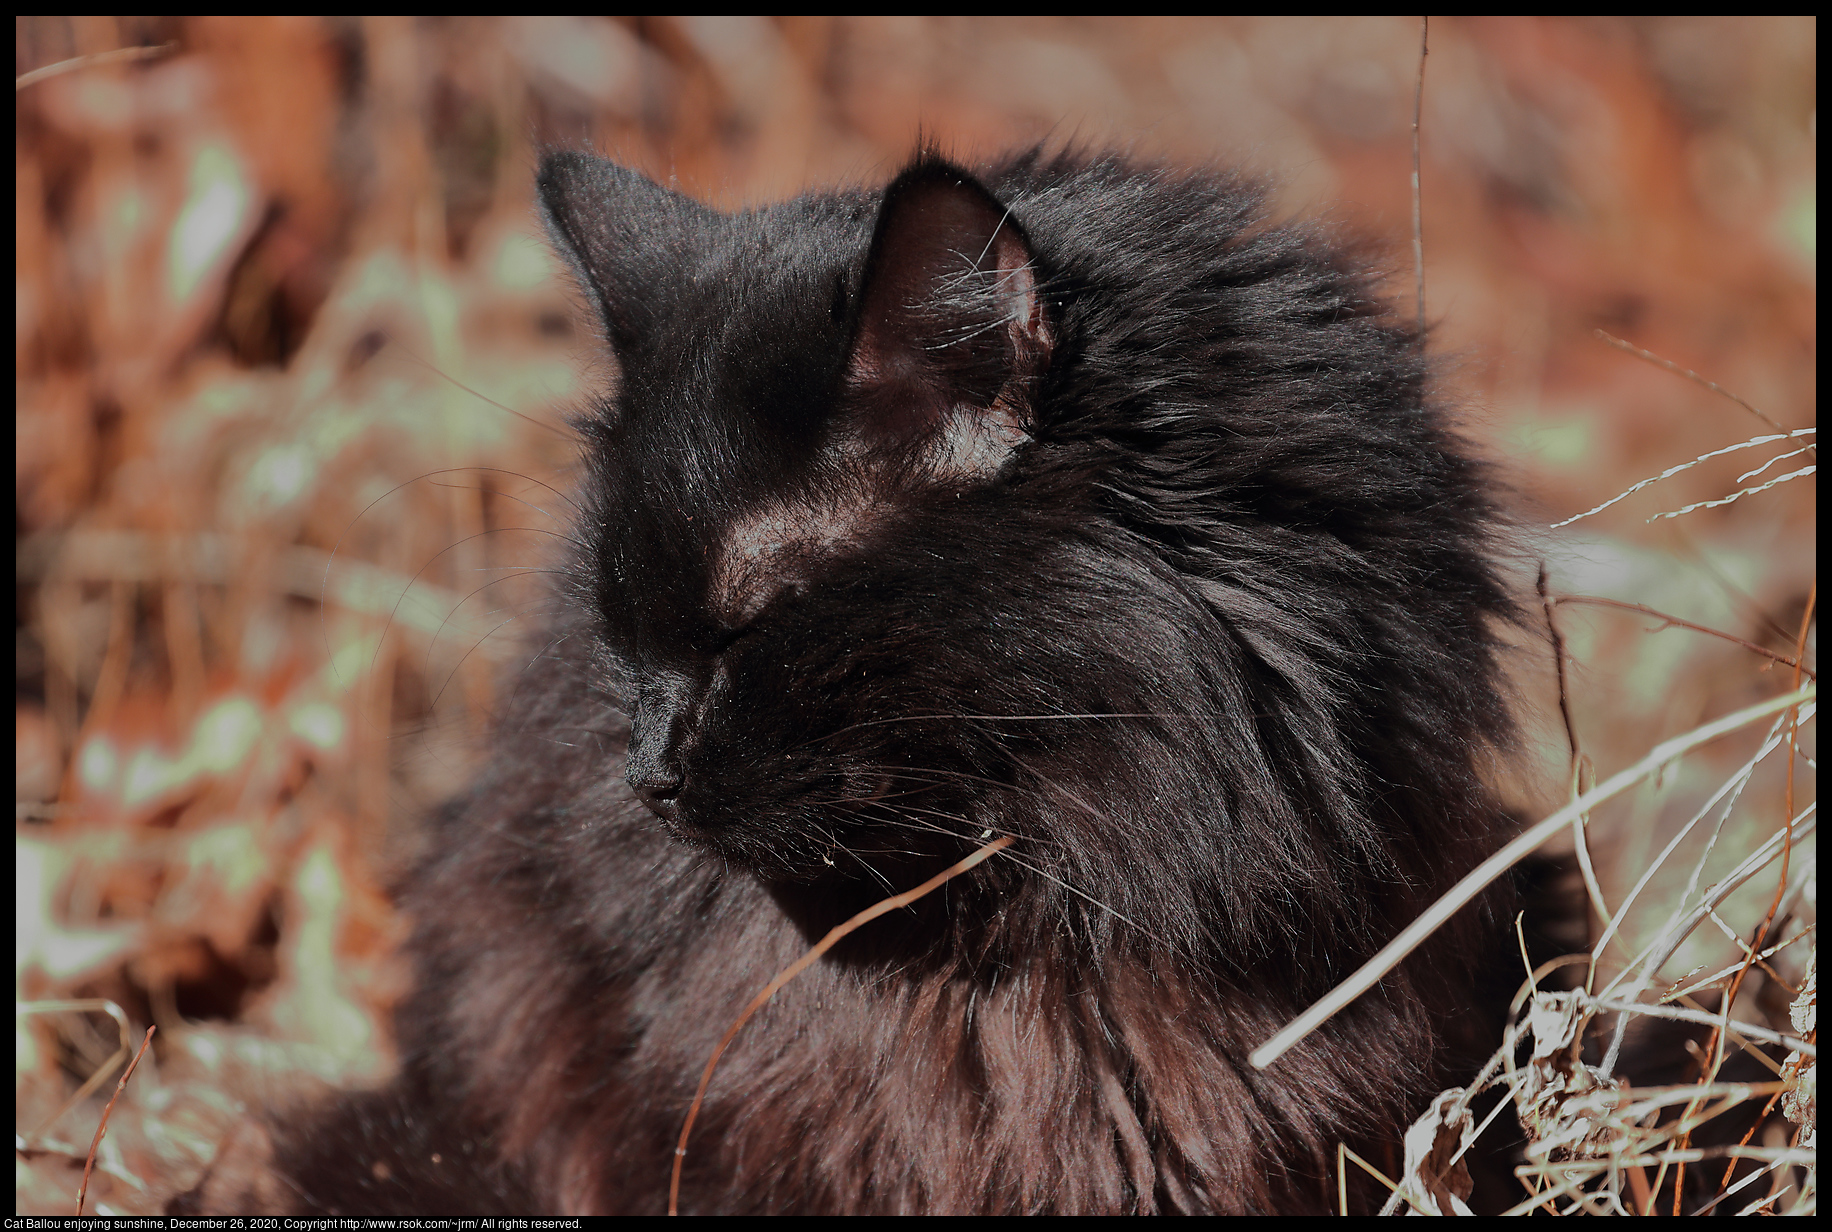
[1069, 500]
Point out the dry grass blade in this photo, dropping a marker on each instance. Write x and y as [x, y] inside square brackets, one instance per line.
[102, 1071]
[1460, 894]
[121, 55]
[1671, 471]
[1720, 1029]
[1345, 1156]
[1710, 1020]
[1802, 473]
[1589, 1139]
[102, 1126]
[833, 937]
[1709, 981]
[1731, 788]
[1664, 947]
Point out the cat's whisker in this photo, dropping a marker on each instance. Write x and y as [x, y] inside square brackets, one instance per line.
[499, 493]
[901, 814]
[464, 658]
[971, 716]
[958, 776]
[882, 795]
[834, 844]
[394, 611]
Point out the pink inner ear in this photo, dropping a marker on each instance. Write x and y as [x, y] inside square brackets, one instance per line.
[1030, 333]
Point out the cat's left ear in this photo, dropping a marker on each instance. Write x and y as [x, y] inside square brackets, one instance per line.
[625, 236]
[952, 336]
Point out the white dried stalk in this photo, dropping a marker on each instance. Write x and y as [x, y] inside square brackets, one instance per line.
[1732, 787]
[1479, 878]
[1679, 929]
[1735, 496]
[1686, 466]
[1780, 457]
[1733, 968]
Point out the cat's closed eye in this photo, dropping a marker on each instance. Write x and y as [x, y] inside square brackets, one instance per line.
[729, 638]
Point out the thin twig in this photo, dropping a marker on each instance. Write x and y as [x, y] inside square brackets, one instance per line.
[1558, 660]
[89, 1163]
[1483, 874]
[801, 964]
[1643, 608]
[1579, 763]
[119, 55]
[1418, 229]
[1690, 375]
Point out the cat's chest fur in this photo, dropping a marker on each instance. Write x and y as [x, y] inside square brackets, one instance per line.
[1022, 1085]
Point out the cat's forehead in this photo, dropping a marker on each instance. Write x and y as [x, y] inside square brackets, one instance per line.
[749, 327]
[780, 544]
[795, 248]
[846, 496]
[772, 429]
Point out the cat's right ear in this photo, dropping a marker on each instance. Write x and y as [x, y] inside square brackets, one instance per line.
[623, 235]
[952, 335]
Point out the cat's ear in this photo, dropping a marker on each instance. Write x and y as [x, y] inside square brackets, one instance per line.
[952, 337]
[622, 233]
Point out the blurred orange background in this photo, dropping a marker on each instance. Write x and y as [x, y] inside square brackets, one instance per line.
[294, 366]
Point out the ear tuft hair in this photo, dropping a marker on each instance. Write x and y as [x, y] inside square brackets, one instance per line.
[952, 333]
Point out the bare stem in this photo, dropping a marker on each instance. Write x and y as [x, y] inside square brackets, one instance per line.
[89, 1163]
[1418, 229]
[1690, 375]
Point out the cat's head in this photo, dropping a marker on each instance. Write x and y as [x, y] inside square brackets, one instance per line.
[906, 525]
[806, 561]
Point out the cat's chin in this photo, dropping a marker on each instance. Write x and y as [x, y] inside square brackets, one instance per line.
[745, 841]
[799, 832]
[803, 850]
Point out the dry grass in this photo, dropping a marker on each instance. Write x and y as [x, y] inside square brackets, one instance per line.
[292, 369]
[1598, 1141]
[1593, 1132]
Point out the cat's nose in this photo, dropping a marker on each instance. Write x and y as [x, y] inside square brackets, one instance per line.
[661, 737]
[659, 787]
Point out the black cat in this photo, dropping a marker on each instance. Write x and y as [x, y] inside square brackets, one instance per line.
[1067, 500]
